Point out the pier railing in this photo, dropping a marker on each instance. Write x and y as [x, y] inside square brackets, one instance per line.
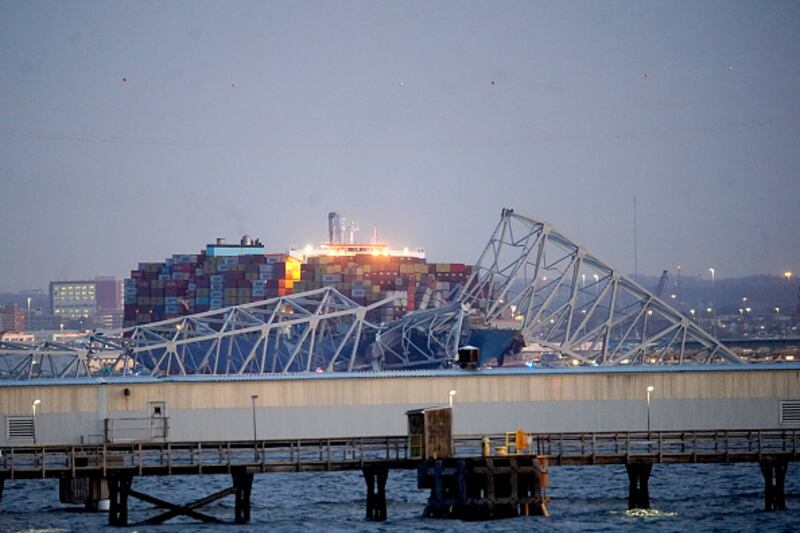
[714, 446]
[147, 458]
[307, 455]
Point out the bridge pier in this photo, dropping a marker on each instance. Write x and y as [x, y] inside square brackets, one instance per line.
[375, 477]
[638, 491]
[774, 472]
[485, 488]
[242, 485]
[119, 488]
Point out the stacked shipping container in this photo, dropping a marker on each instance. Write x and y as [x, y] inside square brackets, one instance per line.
[186, 284]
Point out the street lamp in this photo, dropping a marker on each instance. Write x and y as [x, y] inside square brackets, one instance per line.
[34, 403]
[649, 390]
[450, 397]
[254, 397]
[713, 321]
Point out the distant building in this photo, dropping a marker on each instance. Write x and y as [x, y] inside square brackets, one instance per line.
[12, 318]
[110, 301]
[86, 304]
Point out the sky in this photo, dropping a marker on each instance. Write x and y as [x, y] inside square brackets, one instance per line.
[131, 131]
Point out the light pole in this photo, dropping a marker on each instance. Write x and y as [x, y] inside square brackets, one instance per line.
[254, 397]
[713, 307]
[450, 397]
[649, 390]
[34, 403]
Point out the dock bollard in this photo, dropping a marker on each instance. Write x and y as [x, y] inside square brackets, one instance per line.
[486, 447]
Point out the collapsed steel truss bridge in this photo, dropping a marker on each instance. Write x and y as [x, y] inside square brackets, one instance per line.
[530, 277]
[569, 301]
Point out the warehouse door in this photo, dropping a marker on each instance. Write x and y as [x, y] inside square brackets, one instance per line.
[159, 422]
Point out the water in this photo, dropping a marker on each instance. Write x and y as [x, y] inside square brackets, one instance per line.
[724, 498]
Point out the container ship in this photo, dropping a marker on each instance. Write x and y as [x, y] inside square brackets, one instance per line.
[226, 274]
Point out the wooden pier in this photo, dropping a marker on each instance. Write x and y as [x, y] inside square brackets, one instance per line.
[118, 465]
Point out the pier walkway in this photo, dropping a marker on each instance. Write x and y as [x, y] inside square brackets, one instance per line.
[116, 465]
[321, 455]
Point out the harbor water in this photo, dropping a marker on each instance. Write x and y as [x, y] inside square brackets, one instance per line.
[709, 497]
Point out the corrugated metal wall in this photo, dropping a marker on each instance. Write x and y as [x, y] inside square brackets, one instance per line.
[485, 403]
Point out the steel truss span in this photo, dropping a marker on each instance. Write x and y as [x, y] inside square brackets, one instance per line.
[563, 299]
[319, 330]
[569, 301]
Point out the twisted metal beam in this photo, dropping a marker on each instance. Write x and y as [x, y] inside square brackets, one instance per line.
[428, 338]
[567, 300]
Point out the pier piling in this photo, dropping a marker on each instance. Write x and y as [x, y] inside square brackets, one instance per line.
[638, 491]
[774, 472]
[119, 487]
[243, 485]
[375, 477]
[484, 488]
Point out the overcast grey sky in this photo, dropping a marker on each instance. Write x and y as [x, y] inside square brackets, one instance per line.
[133, 130]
